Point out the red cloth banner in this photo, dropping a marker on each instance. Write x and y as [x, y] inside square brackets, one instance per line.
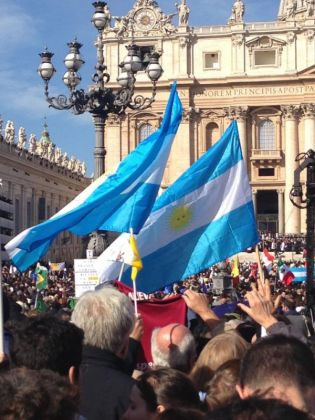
[155, 313]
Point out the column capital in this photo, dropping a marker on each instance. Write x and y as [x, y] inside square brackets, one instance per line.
[190, 114]
[291, 112]
[237, 112]
[308, 110]
[280, 190]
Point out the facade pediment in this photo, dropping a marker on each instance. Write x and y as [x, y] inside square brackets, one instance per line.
[309, 71]
[265, 41]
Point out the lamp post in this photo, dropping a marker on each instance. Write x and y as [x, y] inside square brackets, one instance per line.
[306, 201]
[100, 100]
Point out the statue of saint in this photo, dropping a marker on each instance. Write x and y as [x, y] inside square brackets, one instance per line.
[58, 156]
[51, 152]
[238, 10]
[108, 17]
[65, 160]
[183, 13]
[83, 168]
[291, 8]
[21, 139]
[32, 144]
[9, 132]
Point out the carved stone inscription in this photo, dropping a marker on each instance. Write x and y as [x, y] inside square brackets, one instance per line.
[251, 91]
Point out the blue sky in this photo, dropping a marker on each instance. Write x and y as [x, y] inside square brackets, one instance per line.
[27, 26]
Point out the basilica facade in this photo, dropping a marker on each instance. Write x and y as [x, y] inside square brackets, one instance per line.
[261, 74]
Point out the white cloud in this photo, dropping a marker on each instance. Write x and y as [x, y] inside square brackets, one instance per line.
[17, 28]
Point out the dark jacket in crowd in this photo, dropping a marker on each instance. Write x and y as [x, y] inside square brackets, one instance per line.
[105, 385]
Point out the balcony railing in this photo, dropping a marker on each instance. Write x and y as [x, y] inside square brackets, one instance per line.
[261, 154]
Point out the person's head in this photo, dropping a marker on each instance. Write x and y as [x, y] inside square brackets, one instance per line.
[159, 390]
[288, 304]
[221, 389]
[27, 394]
[107, 317]
[279, 367]
[220, 349]
[181, 414]
[173, 346]
[45, 342]
[257, 409]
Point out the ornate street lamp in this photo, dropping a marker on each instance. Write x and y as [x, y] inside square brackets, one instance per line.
[100, 100]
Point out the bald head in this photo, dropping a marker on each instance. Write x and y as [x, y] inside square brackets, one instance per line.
[173, 346]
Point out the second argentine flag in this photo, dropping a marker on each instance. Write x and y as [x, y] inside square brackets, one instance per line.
[205, 217]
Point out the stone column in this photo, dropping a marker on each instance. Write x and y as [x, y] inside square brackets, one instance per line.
[281, 211]
[99, 149]
[23, 209]
[113, 142]
[240, 115]
[292, 213]
[180, 158]
[308, 111]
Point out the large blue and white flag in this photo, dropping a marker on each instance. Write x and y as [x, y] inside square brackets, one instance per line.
[205, 217]
[120, 202]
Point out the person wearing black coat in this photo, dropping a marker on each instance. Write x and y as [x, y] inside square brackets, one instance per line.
[107, 318]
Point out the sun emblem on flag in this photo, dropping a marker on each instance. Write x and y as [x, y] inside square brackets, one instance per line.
[180, 217]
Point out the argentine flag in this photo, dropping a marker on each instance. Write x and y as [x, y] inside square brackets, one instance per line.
[205, 217]
[120, 202]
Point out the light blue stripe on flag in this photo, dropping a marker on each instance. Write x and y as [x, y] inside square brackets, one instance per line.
[300, 274]
[120, 202]
[205, 217]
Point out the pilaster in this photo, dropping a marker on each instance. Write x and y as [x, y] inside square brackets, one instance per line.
[291, 114]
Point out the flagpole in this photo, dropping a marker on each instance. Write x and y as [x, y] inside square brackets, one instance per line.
[261, 273]
[134, 287]
[36, 298]
[135, 297]
[121, 271]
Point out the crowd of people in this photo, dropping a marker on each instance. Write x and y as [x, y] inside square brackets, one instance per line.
[242, 353]
[280, 243]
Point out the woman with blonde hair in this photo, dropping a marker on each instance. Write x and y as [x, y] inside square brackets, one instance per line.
[220, 349]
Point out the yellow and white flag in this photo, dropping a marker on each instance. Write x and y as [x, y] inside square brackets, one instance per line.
[136, 263]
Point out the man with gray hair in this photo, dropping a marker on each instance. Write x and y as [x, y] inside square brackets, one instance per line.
[107, 318]
[173, 346]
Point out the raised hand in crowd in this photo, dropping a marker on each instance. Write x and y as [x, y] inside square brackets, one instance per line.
[261, 306]
[137, 331]
[198, 303]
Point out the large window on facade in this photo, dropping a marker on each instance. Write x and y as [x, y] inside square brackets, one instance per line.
[267, 135]
[211, 61]
[144, 131]
[265, 58]
[41, 209]
[212, 134]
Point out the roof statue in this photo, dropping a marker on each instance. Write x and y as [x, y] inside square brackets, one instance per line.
[238, 11]
[21, 139]
[183, 13]
[32, 144]
[9, 132]
[296, 10]
[108, 17]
